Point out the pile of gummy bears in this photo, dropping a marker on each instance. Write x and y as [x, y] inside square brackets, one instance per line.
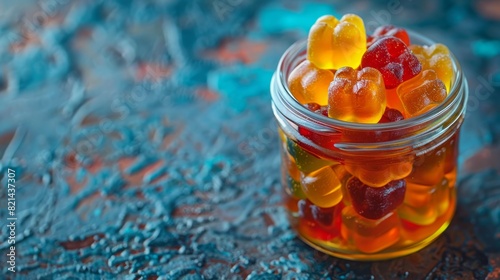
[362, 205]
[358, 79]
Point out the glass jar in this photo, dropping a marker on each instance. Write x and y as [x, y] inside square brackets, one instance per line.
[368, 191]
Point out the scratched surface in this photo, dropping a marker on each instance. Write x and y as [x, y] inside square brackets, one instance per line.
[144, 144]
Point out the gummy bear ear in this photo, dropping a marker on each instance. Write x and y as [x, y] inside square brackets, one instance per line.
[356, 21]
[349, 32]
[329, 20]
[436, 48]
[346, 73]
[372, 74]
[429, 74]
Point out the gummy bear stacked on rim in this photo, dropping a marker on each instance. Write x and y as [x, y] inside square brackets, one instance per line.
[376, 79]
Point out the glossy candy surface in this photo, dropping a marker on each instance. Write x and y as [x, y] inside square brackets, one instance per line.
[424, 204]
[391, 115]
[378, 175]
[374, 203]
[357, 96]
[308, 83]
[318, 109]
[334, 43]
[388, 30]
[421, 93]
[369, 201]
[393, 100]
[322, 187]
[435, 57]
[369, 235]
[306, 162]
[428, 169]
[393, 59]
[325, 140]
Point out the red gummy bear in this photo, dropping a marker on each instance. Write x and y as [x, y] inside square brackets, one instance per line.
[391, 115]
[325, 140]
[393, 59]
[305, 210]
[330, 219]
[372, 136]
[320, 223]
[327, 218]
[388, 30]
[318, 109]
[374, 203]
[324, 216]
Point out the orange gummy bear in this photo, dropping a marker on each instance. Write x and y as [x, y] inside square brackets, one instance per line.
[436, 57]
[393, 100]
[421, 93]
[357, 96]
[309, 84]
[428, 168]
[369, 236]
[377, 174]
[333, 44]
[424, 204]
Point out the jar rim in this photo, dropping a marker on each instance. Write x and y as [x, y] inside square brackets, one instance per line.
[301, 110]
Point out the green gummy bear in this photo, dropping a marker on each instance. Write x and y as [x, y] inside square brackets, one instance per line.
[306, 162]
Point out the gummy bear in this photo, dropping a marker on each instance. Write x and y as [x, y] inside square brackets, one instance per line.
[370, 236]
[421, 94]
[391, 115]
[357, 96]
[295, 188]
[380, 174]
[324, 139]
[319, 223]
[373, 136]
[428, 168]
[393, 59]
[307, 83]
[413, 232]
[328, 218]
[305, 161]
[437, 58]
[333, 44]
[322, 187]
[305, 211]
[341, 173]
[388, 30]
[393, 100]
[324, 216]
[423, 204]
[291, 176]
[318, 109]
[374, 203]
[291, 167]
[289, 202]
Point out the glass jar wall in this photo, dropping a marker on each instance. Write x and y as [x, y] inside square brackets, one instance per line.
[368, 191]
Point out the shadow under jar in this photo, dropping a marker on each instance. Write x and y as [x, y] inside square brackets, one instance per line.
[329, 165]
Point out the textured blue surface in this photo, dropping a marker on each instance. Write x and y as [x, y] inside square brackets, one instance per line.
[144, 143]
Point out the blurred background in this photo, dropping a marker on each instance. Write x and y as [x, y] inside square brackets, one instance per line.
[144, 144]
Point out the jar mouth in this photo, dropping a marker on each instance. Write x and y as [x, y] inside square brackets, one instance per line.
[292, 104]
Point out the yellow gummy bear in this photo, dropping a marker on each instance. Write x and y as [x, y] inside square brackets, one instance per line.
[322, 187]
[333, 44]
[437, 58]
